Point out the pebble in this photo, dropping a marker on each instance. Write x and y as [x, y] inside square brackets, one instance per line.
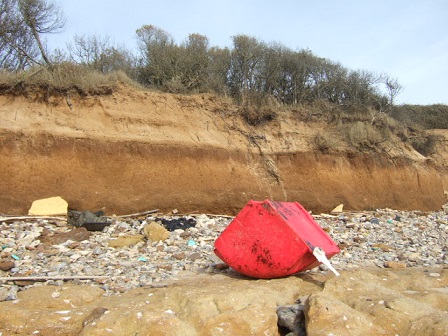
[381, 238]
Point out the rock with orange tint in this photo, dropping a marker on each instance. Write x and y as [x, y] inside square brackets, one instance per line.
[394, 264]
[53, 206]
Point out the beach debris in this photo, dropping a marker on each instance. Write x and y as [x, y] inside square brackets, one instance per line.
[191, 243]
[92, 221]
[271, 239]
[182, 223]
[155, 232]
[338, 209]
[52, 206]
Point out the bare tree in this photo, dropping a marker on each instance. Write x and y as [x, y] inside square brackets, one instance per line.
[41, 17]
[17, 47]
[87, 50]
[22, 23]
[393, 88]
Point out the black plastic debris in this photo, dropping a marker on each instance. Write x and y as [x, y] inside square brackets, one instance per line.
[177, 223]
[92, 221]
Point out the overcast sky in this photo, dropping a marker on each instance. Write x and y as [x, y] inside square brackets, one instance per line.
[406, 39]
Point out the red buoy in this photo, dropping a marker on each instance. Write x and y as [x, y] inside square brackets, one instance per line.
[272, 239]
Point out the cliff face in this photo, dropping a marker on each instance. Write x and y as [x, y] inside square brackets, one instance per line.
[136, 151]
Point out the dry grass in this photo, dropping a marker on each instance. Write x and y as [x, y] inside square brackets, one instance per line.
[362, 135]
[324, 143]
[63, 78]
[424, 144]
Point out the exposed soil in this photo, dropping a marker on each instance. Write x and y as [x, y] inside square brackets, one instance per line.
[137, 150]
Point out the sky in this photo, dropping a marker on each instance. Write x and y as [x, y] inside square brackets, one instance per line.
[405, 39]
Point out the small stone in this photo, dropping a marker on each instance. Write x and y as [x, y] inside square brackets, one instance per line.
[179, 256]
[221, 266]
[74, 245]
[414, 257]
[194, 256]
[77, 234]
[394, 264]
[384, 247]
[343, 246]
[185, 234]
[6, 265]
[434, 275]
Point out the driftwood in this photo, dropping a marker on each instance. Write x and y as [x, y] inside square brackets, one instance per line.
[46, 278]
[5, 218]
[211, 215]
[12, 218]
[138, 214]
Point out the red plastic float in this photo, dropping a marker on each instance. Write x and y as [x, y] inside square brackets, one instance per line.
[272, 239]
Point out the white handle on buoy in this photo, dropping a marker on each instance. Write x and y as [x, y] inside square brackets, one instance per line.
[321, 257]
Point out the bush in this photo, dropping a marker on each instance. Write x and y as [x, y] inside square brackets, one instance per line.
[424, 144]
[255, 117]
[259, 108]
[323, 142]
[362, 134]
[427, 117]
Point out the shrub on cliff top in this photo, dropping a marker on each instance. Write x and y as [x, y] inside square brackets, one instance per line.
[62, 78]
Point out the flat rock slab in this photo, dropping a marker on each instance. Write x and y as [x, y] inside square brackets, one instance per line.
[360, 302]
[52, 206]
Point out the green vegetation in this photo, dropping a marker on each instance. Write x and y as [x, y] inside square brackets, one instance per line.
[262, 78]
[251, 72]
[427, 117]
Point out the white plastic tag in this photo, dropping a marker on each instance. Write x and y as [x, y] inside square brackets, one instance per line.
[321, 257]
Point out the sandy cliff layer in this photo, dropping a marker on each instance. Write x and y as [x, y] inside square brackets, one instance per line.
[139, 150]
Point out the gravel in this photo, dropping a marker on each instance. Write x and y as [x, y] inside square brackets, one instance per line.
[381, 238]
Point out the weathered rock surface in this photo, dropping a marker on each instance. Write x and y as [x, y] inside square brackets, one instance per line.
[361, 302]
[379, 302]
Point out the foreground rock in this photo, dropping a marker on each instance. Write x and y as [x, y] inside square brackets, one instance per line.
[380, 302]
[359, 302]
